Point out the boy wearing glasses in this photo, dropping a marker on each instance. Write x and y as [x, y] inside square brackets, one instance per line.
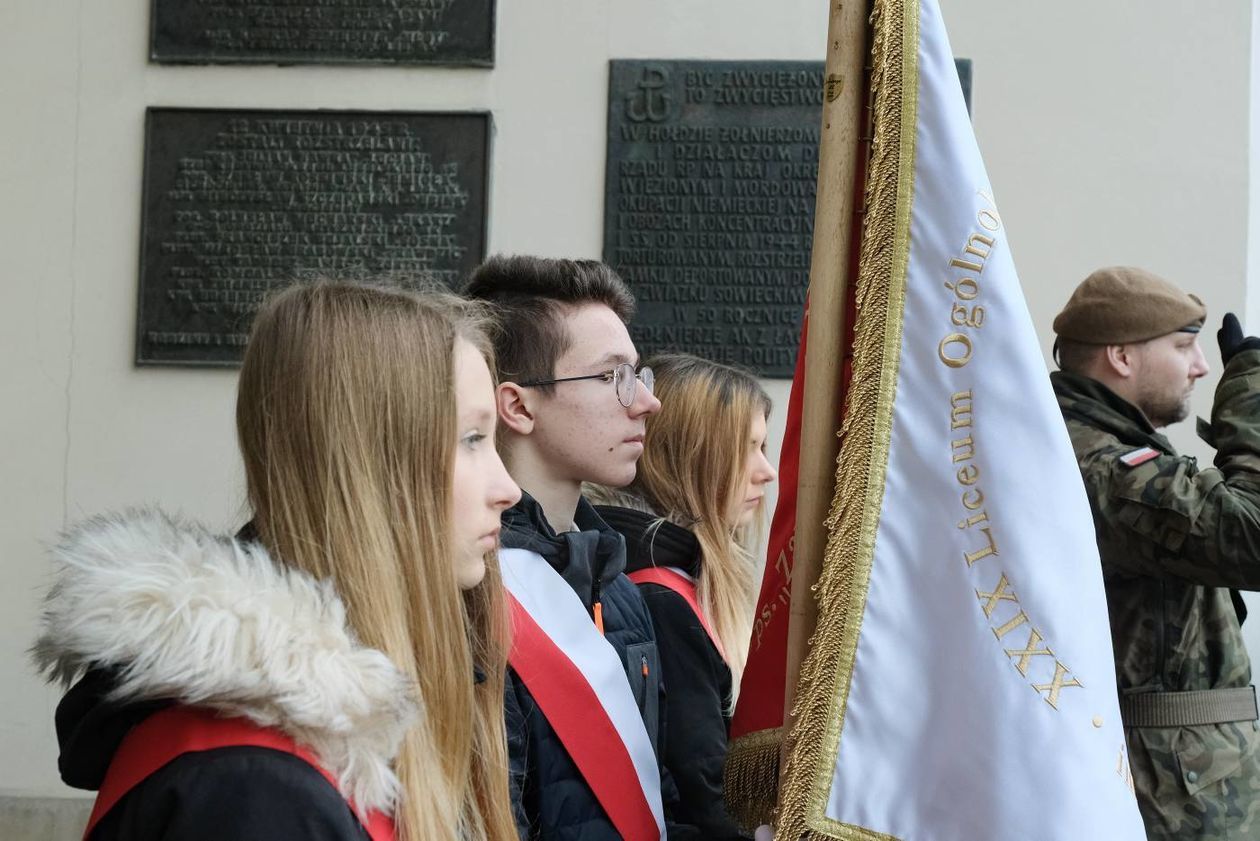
[583, 689]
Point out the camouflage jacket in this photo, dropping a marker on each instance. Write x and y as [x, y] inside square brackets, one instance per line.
[1174, 540]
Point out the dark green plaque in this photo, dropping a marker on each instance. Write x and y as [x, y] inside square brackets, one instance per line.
[237, 203]
[709, 203]
[323, 31]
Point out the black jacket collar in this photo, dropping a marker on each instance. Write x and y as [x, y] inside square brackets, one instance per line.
[588, 559]
[651, 541]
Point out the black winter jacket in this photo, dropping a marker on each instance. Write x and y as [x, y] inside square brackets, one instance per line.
[551, 799]
[697, 679]
[227, 793]
[149, 612]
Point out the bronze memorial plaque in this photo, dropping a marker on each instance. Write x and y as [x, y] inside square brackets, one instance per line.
[709, 203]
[237, 203]
[323, 32]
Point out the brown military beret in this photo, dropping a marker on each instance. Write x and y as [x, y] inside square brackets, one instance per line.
[1121, 304]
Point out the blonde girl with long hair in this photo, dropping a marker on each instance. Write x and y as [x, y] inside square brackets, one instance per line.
[690, 518]
[336, 671]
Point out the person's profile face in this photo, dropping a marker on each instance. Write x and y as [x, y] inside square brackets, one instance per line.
[581, 428]
[481, 487]
[757, 473]
[1167, 368]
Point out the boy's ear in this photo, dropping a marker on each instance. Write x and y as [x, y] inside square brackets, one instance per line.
[514, 410]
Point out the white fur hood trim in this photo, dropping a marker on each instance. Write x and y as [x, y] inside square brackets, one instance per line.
[212, 621]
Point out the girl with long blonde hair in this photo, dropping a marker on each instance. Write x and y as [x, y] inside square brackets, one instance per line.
[356, 637]
[690, 518]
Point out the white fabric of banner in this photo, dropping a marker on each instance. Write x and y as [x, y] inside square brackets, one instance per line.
[949, 733]
[561, 615]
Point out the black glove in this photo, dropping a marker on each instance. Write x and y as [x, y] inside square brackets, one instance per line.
[1230, 338]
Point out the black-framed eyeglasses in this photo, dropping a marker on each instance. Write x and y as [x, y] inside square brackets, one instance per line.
[624, 379]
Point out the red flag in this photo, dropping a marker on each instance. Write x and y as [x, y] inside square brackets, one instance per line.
[757, 724]
[781, 627]
[760, 706]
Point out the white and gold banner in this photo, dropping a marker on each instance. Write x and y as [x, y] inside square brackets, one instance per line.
[960, 685]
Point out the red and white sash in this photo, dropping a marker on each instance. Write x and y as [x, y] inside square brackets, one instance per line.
[579, 682]
[673, 578]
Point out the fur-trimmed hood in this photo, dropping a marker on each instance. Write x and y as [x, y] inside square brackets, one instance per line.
[177, 613]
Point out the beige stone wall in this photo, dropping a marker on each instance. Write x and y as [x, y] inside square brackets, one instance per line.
[43, 818]
[1114, 132]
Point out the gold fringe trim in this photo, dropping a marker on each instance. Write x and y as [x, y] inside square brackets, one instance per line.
[750, 784]
[823, 689]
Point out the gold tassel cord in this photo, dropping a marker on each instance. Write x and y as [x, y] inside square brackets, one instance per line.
[751, 777]
[854, 515]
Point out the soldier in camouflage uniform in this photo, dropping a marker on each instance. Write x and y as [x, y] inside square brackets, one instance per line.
[1176, 542]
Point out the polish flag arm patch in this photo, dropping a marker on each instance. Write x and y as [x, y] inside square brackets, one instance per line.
[1139, 456]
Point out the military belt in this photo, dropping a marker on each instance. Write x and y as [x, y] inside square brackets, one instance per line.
[1187, 709]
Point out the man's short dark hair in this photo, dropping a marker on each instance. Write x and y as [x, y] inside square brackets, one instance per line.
[1075, 357]
[530, 296]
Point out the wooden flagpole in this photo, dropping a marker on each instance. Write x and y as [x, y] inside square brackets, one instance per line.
[833, 266]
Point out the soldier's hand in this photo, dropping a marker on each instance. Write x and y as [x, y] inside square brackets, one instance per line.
[1231, 340]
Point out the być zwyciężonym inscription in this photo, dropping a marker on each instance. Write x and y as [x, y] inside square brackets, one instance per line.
[709, 203]
[237, 203]
[323, 31]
